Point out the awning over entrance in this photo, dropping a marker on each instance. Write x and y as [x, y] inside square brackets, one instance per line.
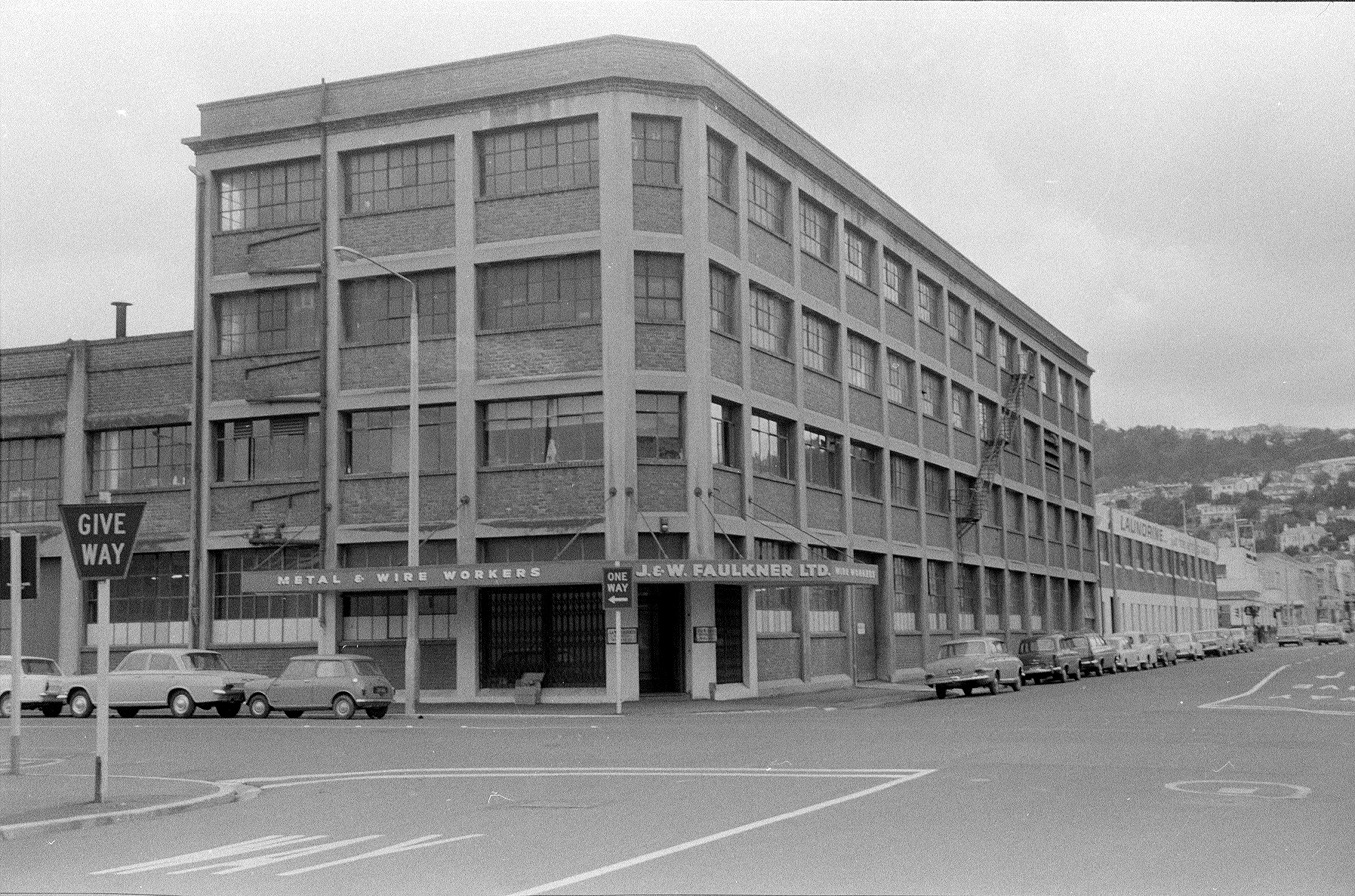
[574, 572]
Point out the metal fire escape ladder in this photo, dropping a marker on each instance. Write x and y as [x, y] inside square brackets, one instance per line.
[971, 506]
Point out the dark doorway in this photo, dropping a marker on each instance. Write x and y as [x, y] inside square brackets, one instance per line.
[863, 608]
[557, 631]
[728, 634]
[661, 613]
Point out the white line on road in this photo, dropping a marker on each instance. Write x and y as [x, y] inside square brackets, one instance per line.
[249, 864]
[416, 843]
[258, 844]
[702, 841]
[1219, 704]
[1262, 683]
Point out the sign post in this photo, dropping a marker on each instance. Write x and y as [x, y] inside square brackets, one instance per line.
[102, 539]
[20, 563]
[618, 591]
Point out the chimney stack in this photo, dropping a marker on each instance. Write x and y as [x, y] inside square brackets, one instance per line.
[121, 331]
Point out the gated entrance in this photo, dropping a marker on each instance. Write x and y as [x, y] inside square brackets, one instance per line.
[558, 631]
[728, 634]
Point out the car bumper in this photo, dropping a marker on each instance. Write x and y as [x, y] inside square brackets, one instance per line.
[1039, 670]
[970, 679]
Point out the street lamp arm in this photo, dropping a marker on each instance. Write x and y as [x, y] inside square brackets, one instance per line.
[354, 254]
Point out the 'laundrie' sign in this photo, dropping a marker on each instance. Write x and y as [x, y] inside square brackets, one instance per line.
[575, 572]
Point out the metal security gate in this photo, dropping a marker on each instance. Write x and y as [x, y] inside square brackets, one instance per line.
[560, 632]
[728, 634]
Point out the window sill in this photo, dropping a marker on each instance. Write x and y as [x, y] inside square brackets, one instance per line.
[559, 465]
[770, 354]
[348, 216]
[767, 230]
[828, 264]
[275, 353]
[555, 325]
[866, 286]
[295, 225]
[488, 199]
[382, 343]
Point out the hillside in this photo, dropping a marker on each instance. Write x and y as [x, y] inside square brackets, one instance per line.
[1162, 454]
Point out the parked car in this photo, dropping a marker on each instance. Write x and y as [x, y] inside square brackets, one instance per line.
[1328, 633]
[1049, 656]
[1097, 656]
[344, 683]
[1187, 645]
[160, 677]
[973, 663]
[1306, 631]
[1210, 641]
[1141, 654]
[1243, 640]
[1288, 634]
[1164, 648]
[43, 686]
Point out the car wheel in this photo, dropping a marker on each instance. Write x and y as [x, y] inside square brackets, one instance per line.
[1100, 670]
[51, 710]
[228, 710]
[1173, 661]
[940, 692]
[182, 705]
[1016, 683]
[258, 706]
[993, 685]
[1063, 674]
[344, 707]
[1077, 673]
[376, 712]
[80, 704]
[128, 712]
[6, 705]
[292, 713]
[1143, 665]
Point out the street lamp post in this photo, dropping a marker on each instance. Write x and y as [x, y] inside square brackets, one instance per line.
[412, 597]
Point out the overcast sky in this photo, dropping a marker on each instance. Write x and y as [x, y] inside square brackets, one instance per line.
[1172, 185]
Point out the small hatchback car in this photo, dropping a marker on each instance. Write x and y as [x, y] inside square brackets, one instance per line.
[973, 663]
[343, 682]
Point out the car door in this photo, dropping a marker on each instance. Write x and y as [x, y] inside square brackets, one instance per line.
[162, 674]
[127, 682]
[331, 676]
[291, 689]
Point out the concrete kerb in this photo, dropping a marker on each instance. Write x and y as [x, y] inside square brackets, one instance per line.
[222, 792]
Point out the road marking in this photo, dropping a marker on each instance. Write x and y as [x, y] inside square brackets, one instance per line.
[1260, 684]
[416, 843]
[1241, 788]
[1325, 677]
[711, 838]
[249, 864]
[258, 844]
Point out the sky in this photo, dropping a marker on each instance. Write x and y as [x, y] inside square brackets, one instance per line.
[1171, 185]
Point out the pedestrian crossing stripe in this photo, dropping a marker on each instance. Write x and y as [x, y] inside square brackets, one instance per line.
[248, 855]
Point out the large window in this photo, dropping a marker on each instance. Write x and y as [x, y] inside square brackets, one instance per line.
[766, 198]
[983, 336]
[824, 602]
[993, 599]
[968, 588]
[719, 168]
[818, 232]
[823, 459]
[961, 409]
[896, 281]
[270, 320]
[148, 607]
[866, 474]
[900, 380]
[724, 302]
[150, 457]
[1039, 603]
[957, 320]
[860, 258]
[266, 448]
[929, 302]
[1006, 351]
[819, 343]
[862, 371]
[936, 488]
[543, 430]
[1014, 512]
[559, 155]
[517, 295]
[770, 325]
[30, 477]
[771, 446]
[376, 309]
[775, 607]
[378, 441]
[269, 195]
[658, 287]
[240, 618]
[938, 597]
[933, 395]
[724, 434]
[658, 426]
[654, 150]
[380, 615]
[907, 594]
[902, 481]
[415, 175]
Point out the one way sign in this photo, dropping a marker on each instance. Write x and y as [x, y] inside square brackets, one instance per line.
[618, 591]
[102, 537]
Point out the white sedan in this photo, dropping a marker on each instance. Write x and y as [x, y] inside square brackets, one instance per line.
[42, 686]
[165, 677]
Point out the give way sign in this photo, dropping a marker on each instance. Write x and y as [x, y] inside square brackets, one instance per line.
[102, 537]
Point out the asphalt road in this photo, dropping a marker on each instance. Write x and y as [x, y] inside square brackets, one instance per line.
[1225, 776]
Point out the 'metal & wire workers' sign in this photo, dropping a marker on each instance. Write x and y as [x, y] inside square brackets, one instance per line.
[572, 572]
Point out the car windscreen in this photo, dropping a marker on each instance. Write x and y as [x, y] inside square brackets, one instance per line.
[1038, 644]
[208, 662]
[41, 667]
[366, 667]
